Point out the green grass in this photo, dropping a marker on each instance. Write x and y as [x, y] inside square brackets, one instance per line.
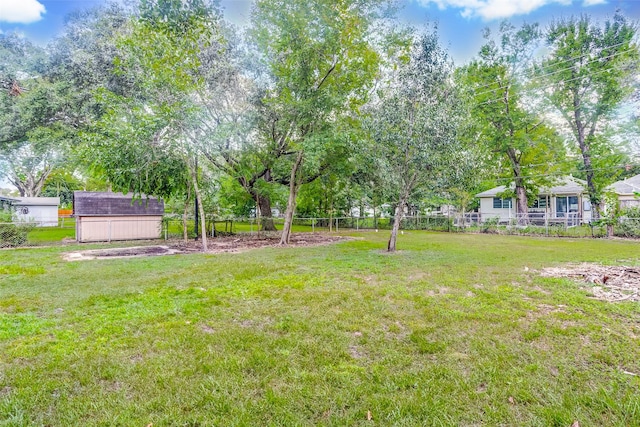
[451, 330]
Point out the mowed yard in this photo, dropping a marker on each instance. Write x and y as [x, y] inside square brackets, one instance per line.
[453, 330]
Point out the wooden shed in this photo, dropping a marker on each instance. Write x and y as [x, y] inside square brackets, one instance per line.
[104, 217]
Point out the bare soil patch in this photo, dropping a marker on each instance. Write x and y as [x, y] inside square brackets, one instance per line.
[216, 245]
[606, 282]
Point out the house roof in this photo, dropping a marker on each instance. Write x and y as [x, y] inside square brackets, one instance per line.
[32, 201]
[89, 203]
[564, 185]
[627, 186]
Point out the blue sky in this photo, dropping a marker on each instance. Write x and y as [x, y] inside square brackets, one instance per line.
[459, 21]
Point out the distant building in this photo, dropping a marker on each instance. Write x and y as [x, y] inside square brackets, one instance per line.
[42, 211]
[627, 191]
[565, 201]
[103, 217]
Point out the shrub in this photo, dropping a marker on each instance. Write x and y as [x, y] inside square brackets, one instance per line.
[629, 223]
[12, 234]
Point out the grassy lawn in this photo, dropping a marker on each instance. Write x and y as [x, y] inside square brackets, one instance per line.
[452, 330]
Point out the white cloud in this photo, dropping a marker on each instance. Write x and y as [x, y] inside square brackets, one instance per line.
[587, 3]
[21, 11]
[499, 9]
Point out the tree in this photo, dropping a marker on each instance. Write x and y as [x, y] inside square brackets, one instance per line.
[321, 65]
[35, 127]
[513, 138]
[414, 126]
[148, 139]
[585, 78]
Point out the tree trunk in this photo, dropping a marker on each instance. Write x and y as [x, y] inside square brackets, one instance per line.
[331, 216]
[593, 194]
[522, 205]
[294, 185]
[185, 213]
[266, 216]
[391, 246]
[585, 150]
[203, 226]
[32, 185]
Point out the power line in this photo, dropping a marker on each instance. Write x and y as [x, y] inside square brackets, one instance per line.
[567, 60]
[544, 87]
[556, 72]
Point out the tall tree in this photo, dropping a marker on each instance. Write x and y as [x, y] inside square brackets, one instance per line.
[585, 77]
[414, 126]
[517, 142]
[321, 66]
[160, 55]
[35, 124]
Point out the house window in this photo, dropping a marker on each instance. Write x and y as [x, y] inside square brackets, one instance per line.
[566, 204]
[540, 203]
[499, 203]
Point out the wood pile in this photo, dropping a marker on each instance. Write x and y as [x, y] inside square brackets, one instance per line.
[607, 282]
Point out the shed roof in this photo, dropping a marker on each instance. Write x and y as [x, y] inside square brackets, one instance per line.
[89, 203]
[565, 185]
[627, 186]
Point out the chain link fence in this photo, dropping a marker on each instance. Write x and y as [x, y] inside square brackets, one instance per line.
[30, 234]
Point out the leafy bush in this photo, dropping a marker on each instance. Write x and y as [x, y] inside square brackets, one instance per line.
[629, 223]
[12, 234]
[490, 225]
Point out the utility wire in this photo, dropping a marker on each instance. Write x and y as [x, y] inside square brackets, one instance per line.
[566, 60]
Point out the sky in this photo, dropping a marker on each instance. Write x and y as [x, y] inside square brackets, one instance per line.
[459, 21]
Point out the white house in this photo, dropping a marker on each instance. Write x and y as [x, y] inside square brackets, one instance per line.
[42, 211]
[565, 201]
[627, 191]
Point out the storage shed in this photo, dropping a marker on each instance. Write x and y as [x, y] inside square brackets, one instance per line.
[104, 217]
[42, 211]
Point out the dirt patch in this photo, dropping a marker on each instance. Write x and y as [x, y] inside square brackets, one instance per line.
[606, 282]
[129, 252]
[216, 245]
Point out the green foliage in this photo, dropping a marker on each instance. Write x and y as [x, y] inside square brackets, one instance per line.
[589, 73]
[143, 141]
[513, 140]
[414, 126]
[12, 234]
[629, 222]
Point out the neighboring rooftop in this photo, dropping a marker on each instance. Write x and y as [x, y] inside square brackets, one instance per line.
[89, 203]
[32, 201]
[627, 186]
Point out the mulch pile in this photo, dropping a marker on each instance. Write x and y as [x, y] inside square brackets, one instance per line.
[607, 282]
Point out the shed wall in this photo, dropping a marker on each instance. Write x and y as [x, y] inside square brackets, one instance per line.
[44, 216]
[107, 228]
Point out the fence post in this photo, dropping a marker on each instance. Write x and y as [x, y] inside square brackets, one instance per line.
[357, 224]
[109, 231]
[336, 225]
[313, 225]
